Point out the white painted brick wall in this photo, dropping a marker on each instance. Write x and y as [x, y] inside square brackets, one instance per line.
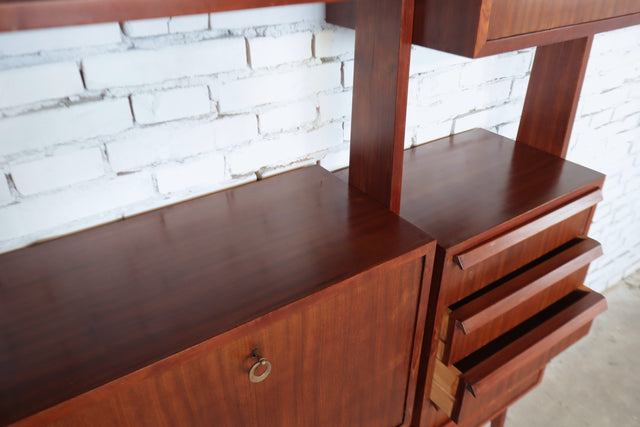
[205, 172]
[168, 109]
[49, 127]
[33, 41]
[137, 67]
[156, 107]
[244, 94]
[42, 175]
[26, 85]
[272, 51]
[185, 24]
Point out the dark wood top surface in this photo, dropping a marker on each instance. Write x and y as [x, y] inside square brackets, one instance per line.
[472, 183]
[85, 309]
[29, 14]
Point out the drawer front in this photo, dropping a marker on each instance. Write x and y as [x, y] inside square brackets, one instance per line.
[503, 364]
[341, 361]
[477, 267]
[491, 312]
[514, 17]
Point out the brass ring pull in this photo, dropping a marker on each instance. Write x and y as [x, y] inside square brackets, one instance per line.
[259, 378]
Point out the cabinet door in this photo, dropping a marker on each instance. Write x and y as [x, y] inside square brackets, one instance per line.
[341, 361]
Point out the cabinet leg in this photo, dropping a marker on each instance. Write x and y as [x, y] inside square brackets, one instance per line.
[499, 420]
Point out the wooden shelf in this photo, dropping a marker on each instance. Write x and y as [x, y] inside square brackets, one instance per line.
[90, 308]
[488, 27]
[29, 14]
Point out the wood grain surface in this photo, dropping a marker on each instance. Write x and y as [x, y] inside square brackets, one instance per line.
[511, 17]
[330, 367]
[381, 81]
[466, 187]
[30, 14]
[86, 309]
[552, 96]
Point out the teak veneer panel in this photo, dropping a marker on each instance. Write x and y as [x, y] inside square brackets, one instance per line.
[89, 308]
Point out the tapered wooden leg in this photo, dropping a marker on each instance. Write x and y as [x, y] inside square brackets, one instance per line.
[381, 81]
[499, 420]
[552, 97]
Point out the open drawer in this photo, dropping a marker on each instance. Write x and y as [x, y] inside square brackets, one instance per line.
[477, 320]
[464, 388]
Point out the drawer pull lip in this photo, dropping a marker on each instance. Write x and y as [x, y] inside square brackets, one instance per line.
[533, 345]
[477, 314]
[510, 238]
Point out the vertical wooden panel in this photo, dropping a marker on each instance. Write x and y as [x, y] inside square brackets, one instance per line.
[382, 54]
[553, 94]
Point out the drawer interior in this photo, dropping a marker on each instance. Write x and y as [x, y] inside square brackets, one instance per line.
[460, 389]
[485, 315]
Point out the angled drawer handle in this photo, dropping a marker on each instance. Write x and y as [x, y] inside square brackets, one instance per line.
[511, 238]
[261, 363]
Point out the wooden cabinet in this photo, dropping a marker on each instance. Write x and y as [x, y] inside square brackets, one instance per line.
[507, 295]
[159, 319]
[486, 27]
[510, 223]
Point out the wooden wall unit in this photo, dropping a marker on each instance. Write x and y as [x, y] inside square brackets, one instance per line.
[154, 319]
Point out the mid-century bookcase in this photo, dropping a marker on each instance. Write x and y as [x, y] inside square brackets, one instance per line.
[323, 307]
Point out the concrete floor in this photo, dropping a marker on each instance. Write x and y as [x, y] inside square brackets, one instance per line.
[597, 381]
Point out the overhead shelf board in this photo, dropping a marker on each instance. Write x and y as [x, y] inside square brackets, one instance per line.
[31, 14]
[475, 28]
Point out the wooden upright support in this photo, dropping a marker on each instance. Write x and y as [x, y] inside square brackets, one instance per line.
[381, 80]
[552, 98]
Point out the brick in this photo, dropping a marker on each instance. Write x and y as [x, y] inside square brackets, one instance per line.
[283, 150]
[335, 105]
[336, 158]
[438, 83]
[488, 118]
[335, 42]
[156, 107]
[346, 130]
[63, 209]
[138, 67]
[424, 60]
[288, 117]
[433, 132]
[509, 130]
[347, 73]
[205, 172]
[601, 118]
[146, 27]
[57, 171]
[32, 41]
[42, 129]
[188, 23]
[5, 193]
[160, 144]
[26, 85]
[233, 130]
[506, 65]
[267, 16]
[272, 51]
[277, 87]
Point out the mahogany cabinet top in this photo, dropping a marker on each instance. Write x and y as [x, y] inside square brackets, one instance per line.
[471, 184]
[468, 185]
[29, 14]
[88, 308]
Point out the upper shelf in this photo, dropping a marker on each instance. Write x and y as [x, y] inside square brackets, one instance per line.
[30, 14]
[487, 27]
